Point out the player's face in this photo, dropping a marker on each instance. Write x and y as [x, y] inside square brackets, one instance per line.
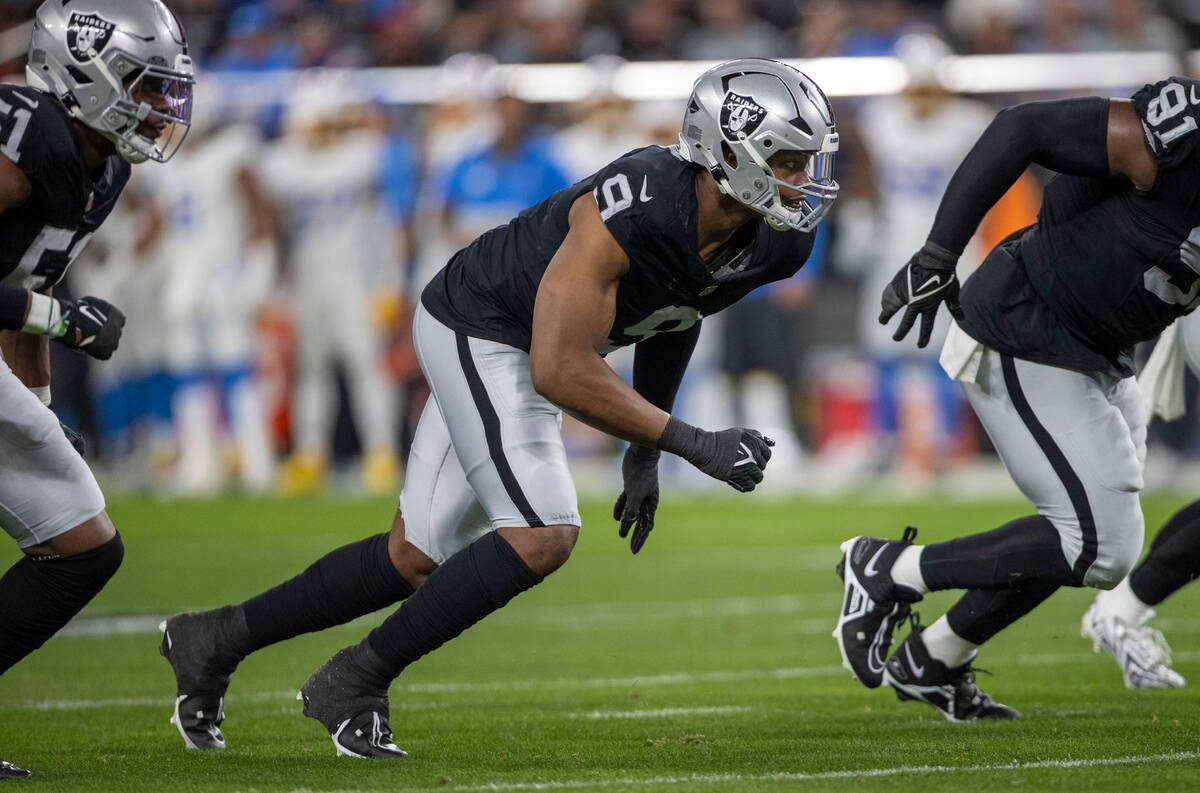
[152, 91]
[790, 167]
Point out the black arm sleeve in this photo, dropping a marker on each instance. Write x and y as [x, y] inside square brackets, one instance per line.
[1069, 136]
[659, 363]
[13, 304]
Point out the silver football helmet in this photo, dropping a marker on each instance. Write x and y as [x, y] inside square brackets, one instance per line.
[743, 112]
[121, 67]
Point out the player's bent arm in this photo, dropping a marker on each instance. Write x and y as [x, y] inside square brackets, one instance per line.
[1069, 136]
[572, 316]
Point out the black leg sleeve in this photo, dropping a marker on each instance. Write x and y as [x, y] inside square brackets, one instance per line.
[39, 595]
[980, 614]
[1021, 551]
[467, 587]
[354, 580]
[1174, 558]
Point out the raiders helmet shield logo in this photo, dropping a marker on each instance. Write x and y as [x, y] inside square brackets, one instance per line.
[740, 116]
[87, 35]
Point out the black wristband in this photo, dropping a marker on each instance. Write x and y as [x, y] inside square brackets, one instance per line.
[13, 304]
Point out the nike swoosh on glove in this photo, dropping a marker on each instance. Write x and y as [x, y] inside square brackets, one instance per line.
[753, 452]
[922, 285]
[92, 325]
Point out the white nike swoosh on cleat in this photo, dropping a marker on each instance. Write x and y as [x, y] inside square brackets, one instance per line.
[920, 670]
[342, 751]
[869, 571]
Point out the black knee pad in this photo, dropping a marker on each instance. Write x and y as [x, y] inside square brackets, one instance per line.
[84, 573]
[40, 594]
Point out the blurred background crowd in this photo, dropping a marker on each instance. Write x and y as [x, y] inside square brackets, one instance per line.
[268, 271]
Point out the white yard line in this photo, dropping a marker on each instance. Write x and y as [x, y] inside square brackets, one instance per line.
[786, 776]
[794, 776]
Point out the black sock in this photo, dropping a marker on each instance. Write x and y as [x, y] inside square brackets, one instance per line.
[40, 594]
[1019, 552]
[467, 587]
[1174, 558]
[349, 582]
[982, 613]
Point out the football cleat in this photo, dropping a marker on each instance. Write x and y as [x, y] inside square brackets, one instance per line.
[916, 675]
[1141, 651]
[199, 647]
[10, 771]
[872, 606]
[352, 704]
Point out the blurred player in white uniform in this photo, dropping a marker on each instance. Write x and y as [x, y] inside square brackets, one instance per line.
[131, 395]
[219, 237]
[914, 141]
[324, 176]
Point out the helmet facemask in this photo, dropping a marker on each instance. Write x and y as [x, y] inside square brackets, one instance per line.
[152, 112]
[788, 202]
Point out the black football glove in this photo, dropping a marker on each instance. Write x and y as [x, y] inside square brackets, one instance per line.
[92, 325]
[638, 502]
[922, 285]
[75, 438]
[750, 457]
[737, 455]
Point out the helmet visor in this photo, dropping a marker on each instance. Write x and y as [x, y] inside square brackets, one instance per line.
[158, 105]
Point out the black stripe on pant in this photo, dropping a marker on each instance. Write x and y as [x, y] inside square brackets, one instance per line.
[491, 430]
[1058, 461]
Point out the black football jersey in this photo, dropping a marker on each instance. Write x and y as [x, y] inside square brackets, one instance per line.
[1109, 264]
[40, 238]
[647, 199]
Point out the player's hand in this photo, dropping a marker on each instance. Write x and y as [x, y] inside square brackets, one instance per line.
[750, 456]
[922, 285]
[92, 325]
[737, 455]
[75, 438]
[638, 502]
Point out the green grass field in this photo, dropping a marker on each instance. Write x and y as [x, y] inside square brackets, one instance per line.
[704, 663]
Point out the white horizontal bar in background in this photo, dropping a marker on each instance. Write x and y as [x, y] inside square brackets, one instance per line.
[475, 76]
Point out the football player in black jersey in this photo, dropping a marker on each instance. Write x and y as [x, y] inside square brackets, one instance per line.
[1042, 347]
[511, 332]
[108, 85]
